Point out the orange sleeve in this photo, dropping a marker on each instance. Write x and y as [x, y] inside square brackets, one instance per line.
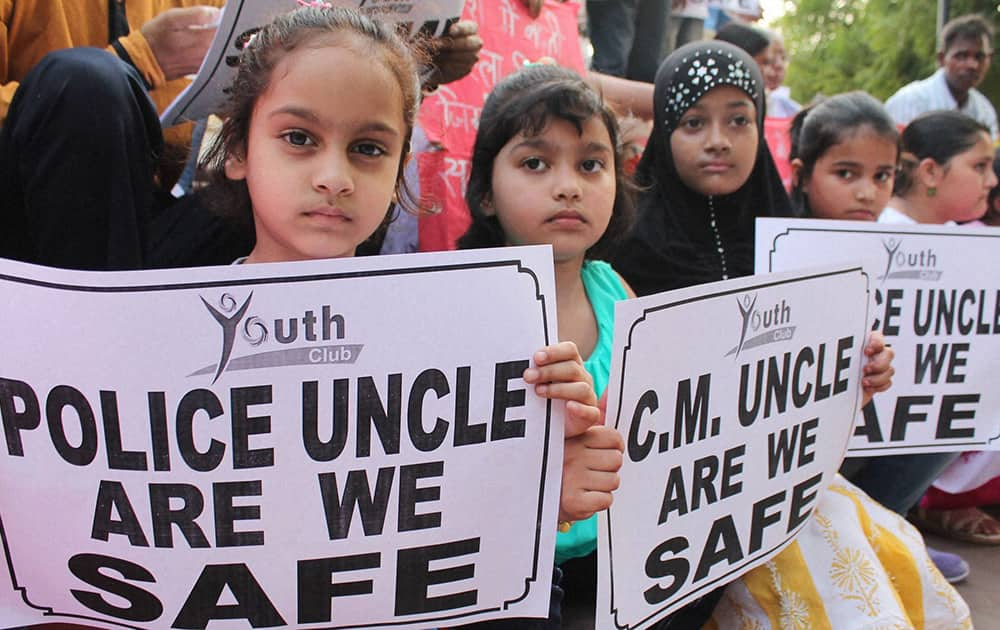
[138, 49]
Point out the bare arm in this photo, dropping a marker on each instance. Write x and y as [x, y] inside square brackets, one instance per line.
[624, 95]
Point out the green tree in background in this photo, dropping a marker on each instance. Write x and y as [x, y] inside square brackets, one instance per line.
[873, 45]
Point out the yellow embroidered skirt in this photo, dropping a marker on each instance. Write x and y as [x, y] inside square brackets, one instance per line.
[855, 565]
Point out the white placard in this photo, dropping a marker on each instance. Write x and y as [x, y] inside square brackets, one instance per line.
[735, 400]
[242, 18]
[937, 301]
[325, 444]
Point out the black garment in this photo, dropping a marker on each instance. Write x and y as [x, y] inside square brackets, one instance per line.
[674, 243]
[78, 158]
[683, 238]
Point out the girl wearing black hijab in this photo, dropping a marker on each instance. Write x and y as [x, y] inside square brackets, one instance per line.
[706, 173]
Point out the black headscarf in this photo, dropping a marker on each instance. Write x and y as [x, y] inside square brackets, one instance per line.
[674, 243]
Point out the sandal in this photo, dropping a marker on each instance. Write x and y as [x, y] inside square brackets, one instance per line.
[965, 524]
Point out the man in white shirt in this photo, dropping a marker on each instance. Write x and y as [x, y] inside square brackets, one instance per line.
[965, 50]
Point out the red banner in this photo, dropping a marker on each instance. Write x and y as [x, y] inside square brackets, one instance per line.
[450, 117]
[776, 133]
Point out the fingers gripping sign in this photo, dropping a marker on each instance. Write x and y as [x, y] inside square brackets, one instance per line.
[592, 452]
[180, 38]
[878, 371]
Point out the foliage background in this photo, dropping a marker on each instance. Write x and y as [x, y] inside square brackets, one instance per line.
[873, 45]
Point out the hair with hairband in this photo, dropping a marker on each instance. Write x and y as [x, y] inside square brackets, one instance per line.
[315, 20]
[828, 123]
[939, 136]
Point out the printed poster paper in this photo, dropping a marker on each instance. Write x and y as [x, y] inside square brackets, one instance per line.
[937, 302]
[735, 400]
[329, 444]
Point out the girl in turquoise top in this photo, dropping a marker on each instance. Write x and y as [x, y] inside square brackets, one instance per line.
[546, 170]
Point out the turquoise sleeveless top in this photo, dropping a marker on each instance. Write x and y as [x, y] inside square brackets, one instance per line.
[604, 288]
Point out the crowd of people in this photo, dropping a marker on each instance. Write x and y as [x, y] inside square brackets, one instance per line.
[310, 161]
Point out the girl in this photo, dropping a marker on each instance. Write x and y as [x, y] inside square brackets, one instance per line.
[843, 158]
[312, 154]
[844, 154]
[946, 171]
[946, 177]
[547, 168]
[708, 173]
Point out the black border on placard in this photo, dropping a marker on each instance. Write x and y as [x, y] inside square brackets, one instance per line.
[518, 266]
[904, 450]
[725, 578]
[192, 95]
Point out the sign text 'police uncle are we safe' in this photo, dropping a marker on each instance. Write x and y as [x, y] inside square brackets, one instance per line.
[937, 301]
[735, 400]
[327, 444]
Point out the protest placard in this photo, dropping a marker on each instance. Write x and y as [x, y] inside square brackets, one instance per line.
[735, 401]
[329, 444]
[242, 18]
[937, 303]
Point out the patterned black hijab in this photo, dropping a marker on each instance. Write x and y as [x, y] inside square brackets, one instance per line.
[682, 237]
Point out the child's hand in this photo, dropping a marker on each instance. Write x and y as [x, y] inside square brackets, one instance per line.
[877, 373]
[592, 452]
[559, 374]
[591, 460]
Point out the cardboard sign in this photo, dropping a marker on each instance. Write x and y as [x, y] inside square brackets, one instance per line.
[242, 18]
[937, 303]
[450, 117]
[735, 400]
[328, 444]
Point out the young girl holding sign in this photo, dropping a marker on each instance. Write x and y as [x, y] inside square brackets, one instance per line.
[946, 177]
[844, 155]
[707, 174]
[547, 169]
[312, 154]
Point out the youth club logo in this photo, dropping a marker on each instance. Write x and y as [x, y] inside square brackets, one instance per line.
[760, 327]
[909, 264]
[307, 334]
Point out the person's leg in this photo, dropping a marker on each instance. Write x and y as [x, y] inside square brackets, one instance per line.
[77, 158]
[670, 42]
[690, 30]
[897, 481]
[648, 45]
[612, 29]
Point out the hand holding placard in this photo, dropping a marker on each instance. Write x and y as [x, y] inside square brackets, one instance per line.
[180, 38]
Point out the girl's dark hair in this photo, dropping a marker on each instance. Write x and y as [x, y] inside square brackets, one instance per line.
[287, 32]
[828, 123]
[750, 39]
[939, 136]
[524, 102]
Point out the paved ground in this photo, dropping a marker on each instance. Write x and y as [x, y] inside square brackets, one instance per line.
[982, 590]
